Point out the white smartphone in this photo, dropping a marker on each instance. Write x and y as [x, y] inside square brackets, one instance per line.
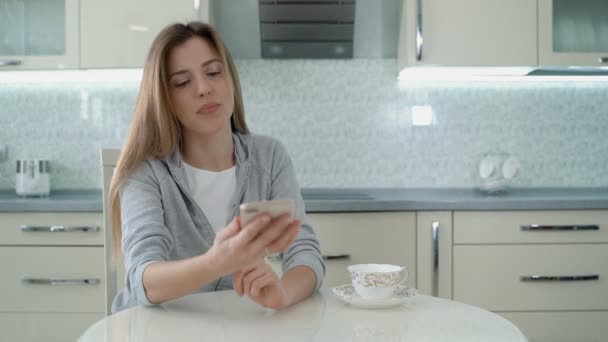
[274, 208]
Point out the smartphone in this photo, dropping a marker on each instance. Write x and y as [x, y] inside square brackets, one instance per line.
[274, 208]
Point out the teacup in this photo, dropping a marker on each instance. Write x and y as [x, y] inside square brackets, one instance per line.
[376, 281]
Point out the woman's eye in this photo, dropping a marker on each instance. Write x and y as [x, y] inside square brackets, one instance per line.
[213, 73]
[182, 84]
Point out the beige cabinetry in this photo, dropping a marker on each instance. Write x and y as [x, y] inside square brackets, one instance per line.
[538, 268]
[118, 34]
[364, 237]
[39, 34]
[468, 33]
[573, 33]
[53, 273]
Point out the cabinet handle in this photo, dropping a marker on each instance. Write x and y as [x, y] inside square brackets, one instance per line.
[325, 257]
[603, 60]
[47, 281]
[541, 227]
[419, 39]
[435, 280]
[9, 62]
[538, 278]
[336, 256]
[59, 229]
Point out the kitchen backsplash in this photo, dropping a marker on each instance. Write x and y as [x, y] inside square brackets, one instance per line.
[346, 123]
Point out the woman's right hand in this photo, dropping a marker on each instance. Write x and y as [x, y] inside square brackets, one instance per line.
[237, 247]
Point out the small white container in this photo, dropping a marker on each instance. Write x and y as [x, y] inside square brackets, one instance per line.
[33, 178]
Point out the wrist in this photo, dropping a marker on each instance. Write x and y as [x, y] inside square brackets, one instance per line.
[209, 261]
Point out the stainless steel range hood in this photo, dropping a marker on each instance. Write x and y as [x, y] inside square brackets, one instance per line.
[308, 28]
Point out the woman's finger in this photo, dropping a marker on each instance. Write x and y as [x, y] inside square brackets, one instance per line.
[231, 230]
[282, 243]
[275, 229]
[250, 277]
[263, 281]
[237, 282]
[250, 231]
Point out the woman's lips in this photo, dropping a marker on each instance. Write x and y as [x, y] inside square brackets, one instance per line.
[208, 108]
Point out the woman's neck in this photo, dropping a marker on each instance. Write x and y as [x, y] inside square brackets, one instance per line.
[212, 153]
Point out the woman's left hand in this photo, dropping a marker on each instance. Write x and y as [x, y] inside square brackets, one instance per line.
[262, 285]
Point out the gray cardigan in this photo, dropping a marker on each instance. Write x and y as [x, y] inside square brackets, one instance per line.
[162, 222]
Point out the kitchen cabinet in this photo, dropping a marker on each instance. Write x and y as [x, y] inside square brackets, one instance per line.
[468, 33]
[573, 32]
[53, 269]
[353, 238]
[546, 267]
[39, 34]
[118, 34]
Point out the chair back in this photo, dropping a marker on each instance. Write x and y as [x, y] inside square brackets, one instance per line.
[115, 272]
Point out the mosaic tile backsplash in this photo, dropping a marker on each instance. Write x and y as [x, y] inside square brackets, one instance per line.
[346, 123]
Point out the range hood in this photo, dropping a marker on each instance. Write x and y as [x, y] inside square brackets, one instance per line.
[308, 29]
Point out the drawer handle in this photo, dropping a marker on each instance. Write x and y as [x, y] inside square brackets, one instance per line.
[47, 281]
[59, 229]
[535, 278]
[9, 62]
[325, 257]
[541, 227]
[336, 257]
[435, 238]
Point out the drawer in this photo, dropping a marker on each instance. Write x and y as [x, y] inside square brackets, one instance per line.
[59, 263]
[77, 229]
[387, 238]
[505, 226]
[490, 277]
[561, 326]
[45, 327]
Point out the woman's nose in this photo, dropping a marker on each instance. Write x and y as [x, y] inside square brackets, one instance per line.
[203, 87]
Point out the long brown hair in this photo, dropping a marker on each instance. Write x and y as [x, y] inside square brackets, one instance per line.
[155, 131]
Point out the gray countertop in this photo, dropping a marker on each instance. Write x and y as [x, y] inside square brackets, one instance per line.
[344, 200]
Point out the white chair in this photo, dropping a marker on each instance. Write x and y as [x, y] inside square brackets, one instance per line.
[115, 272]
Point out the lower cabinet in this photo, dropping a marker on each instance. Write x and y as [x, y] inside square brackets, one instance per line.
[561, 326]
[363, 237]
[53, 275]
[543, 270]
[47, 327]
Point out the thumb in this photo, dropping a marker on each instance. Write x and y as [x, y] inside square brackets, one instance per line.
[233, 228]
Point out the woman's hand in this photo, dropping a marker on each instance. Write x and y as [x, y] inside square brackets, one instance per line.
[236, 248]
[260, 283]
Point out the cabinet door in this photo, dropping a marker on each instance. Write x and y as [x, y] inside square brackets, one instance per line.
[561, 326]
[118, 34]
[38, 34]
[356, 238]
[469, 33]
[47, 327]
[573, 32]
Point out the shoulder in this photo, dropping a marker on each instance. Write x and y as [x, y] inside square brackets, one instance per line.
[151, 171]
[266, 152]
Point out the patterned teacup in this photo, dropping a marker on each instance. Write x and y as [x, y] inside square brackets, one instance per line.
[376, 281]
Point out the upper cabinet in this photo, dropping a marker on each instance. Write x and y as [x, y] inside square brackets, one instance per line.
[573, 32]
[118, 33]
[468, 33]
[38, 34]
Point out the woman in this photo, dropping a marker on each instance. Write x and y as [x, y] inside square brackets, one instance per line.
[188, 162]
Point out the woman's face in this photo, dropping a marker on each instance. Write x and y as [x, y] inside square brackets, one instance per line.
[200, 88]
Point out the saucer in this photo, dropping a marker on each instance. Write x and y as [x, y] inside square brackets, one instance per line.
[347, 294]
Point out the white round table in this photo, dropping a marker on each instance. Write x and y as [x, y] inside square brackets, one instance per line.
[224, 316]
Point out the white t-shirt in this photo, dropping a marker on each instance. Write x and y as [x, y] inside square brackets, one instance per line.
[213, 192]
